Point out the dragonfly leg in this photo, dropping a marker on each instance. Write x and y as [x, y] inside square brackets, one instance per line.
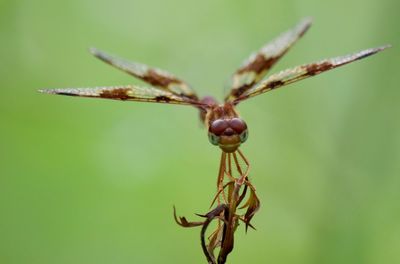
[243, 175]
[220, 180]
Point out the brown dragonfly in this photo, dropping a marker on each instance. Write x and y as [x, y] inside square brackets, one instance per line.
[225, 128]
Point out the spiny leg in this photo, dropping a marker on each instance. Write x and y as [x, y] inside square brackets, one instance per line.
[237, 164]
[243, 157]
[221, 172]
[229, 164]
[225, 158]
[220, 179]
[248, 183]
[229, 172]
[243, 176]
[219, 192]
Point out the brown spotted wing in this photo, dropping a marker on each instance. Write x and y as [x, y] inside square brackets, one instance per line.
[298, 73]
[245, 81]
[127, 92]
[166, 88]
[156, 77]
[258, 64]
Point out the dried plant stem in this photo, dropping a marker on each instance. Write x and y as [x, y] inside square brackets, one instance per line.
[230, 227]
[226, 212]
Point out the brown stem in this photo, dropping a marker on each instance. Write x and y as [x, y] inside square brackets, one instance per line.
[210, 216]
[228, 236]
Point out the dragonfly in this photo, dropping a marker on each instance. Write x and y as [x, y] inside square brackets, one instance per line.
[225, 128]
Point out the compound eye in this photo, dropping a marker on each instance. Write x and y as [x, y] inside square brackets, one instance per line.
[238, 125]
[218, 126]
[244, 136]
[214, 139]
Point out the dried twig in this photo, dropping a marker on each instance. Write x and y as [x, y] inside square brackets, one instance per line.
[228, 213]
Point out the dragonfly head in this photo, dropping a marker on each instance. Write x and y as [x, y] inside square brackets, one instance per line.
[228, 134]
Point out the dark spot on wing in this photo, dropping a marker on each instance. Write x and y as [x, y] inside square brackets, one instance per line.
[316, 68]
[237, 92]
[274, 84]
[156, 79]
[117, 93]
[163, 98]
[259, 64]
[68, 94]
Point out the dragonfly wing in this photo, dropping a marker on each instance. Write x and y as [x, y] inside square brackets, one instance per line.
[304, 71]
[155, 77]
[125, 93]
[258, 64]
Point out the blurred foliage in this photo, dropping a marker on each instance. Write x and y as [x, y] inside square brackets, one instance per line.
[92, 181]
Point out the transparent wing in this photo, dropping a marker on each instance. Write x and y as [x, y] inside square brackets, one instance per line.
[153, 76]
[304, 71]
[258, 64]
[126, 93]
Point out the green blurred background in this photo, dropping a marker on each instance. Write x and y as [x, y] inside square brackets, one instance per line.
[94, 181]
